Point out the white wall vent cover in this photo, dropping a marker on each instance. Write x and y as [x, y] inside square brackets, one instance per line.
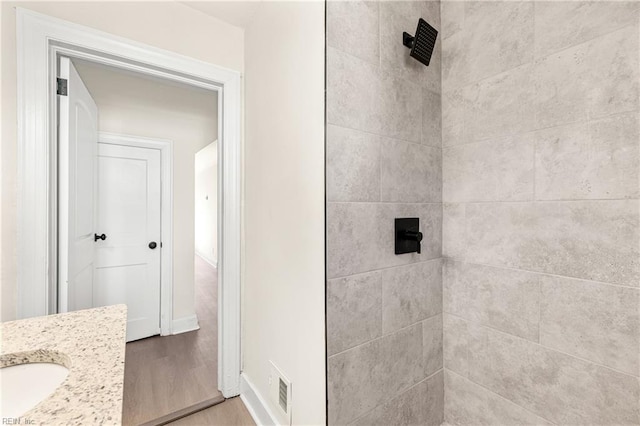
[280, 391]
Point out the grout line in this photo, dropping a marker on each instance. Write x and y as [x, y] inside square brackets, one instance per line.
[533, 163]
[543, 273]
[380, 161]
[584, 121]
[390, 202]
[536, 114]
[383, 335]
[540, 58]
[368, 63]
[576, 200]
[381, 71]
[499, 396]
[378, 135]
[531, 342]
[584, 200]
[563, 49]
[379, 35]
[539, 311]
[383, 269]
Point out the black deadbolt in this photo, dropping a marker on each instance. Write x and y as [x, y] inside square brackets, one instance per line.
[97, 237]
[153, 245]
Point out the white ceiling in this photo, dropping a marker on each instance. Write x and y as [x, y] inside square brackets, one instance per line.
[236, 12]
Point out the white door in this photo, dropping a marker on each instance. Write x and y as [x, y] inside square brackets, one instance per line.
[127, 266]
[77, 150]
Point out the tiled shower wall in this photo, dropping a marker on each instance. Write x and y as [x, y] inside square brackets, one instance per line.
[384, 312]
[541, 215]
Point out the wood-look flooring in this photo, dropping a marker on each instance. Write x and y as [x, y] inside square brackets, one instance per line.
[166, 374]
[232, 412]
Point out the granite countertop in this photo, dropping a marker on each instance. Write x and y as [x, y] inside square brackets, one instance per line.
[91, 344]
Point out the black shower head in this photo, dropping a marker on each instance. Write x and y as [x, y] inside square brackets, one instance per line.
[423, 43]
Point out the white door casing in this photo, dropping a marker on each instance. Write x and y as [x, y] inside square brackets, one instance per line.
[78, 143]
[127, 269]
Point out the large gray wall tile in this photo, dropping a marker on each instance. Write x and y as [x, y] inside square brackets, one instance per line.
[397, 17]
[360, 236]
[453, 109]
[561, 24]
[431, 118]
[354, 311]
[501, 105]
[451, 17]
[410, 294]
[410, 173]
[589, 160]
[467, 403]
[435, 400]
[432, 344]
[507, 300]
[594, 321]
[498, 36]
[354, 92]
[591, 80]
[596, 240]
[455, 62]
[353, 27]
[559, 387]
[456, 344]
[354, 243]
[403, 360]
[364, 377]
[454, 241]
[401, 107]
[360, 96]
[353, 165]
[420, 405]
[355, 382]
[492, 170]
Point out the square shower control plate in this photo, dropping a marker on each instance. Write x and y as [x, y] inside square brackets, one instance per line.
[402, 226]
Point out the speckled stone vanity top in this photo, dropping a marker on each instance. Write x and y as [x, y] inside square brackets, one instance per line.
[91, 344]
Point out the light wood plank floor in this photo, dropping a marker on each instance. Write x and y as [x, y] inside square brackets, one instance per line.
[232, 412]
[165, 374]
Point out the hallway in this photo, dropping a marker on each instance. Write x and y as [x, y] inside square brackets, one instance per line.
[166, 374]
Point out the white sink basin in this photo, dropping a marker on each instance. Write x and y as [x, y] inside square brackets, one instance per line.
[23, 386]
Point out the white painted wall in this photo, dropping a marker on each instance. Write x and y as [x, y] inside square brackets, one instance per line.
[206, 203]
[284, 275]
[167, 25]
[131, 104]
[283, 255]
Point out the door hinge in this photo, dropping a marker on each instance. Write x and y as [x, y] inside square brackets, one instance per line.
[62, 86]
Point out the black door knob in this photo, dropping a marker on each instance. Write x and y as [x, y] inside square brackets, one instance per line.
[97, 237]
[153, 245]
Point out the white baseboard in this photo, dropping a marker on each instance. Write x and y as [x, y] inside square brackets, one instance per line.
[255, 404]
[213, 263]
[184, 324]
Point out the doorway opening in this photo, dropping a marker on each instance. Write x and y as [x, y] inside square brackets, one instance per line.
[126, 207]
[42, 41]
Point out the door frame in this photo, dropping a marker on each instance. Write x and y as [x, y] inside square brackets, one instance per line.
[40, 40]
[165, 146]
